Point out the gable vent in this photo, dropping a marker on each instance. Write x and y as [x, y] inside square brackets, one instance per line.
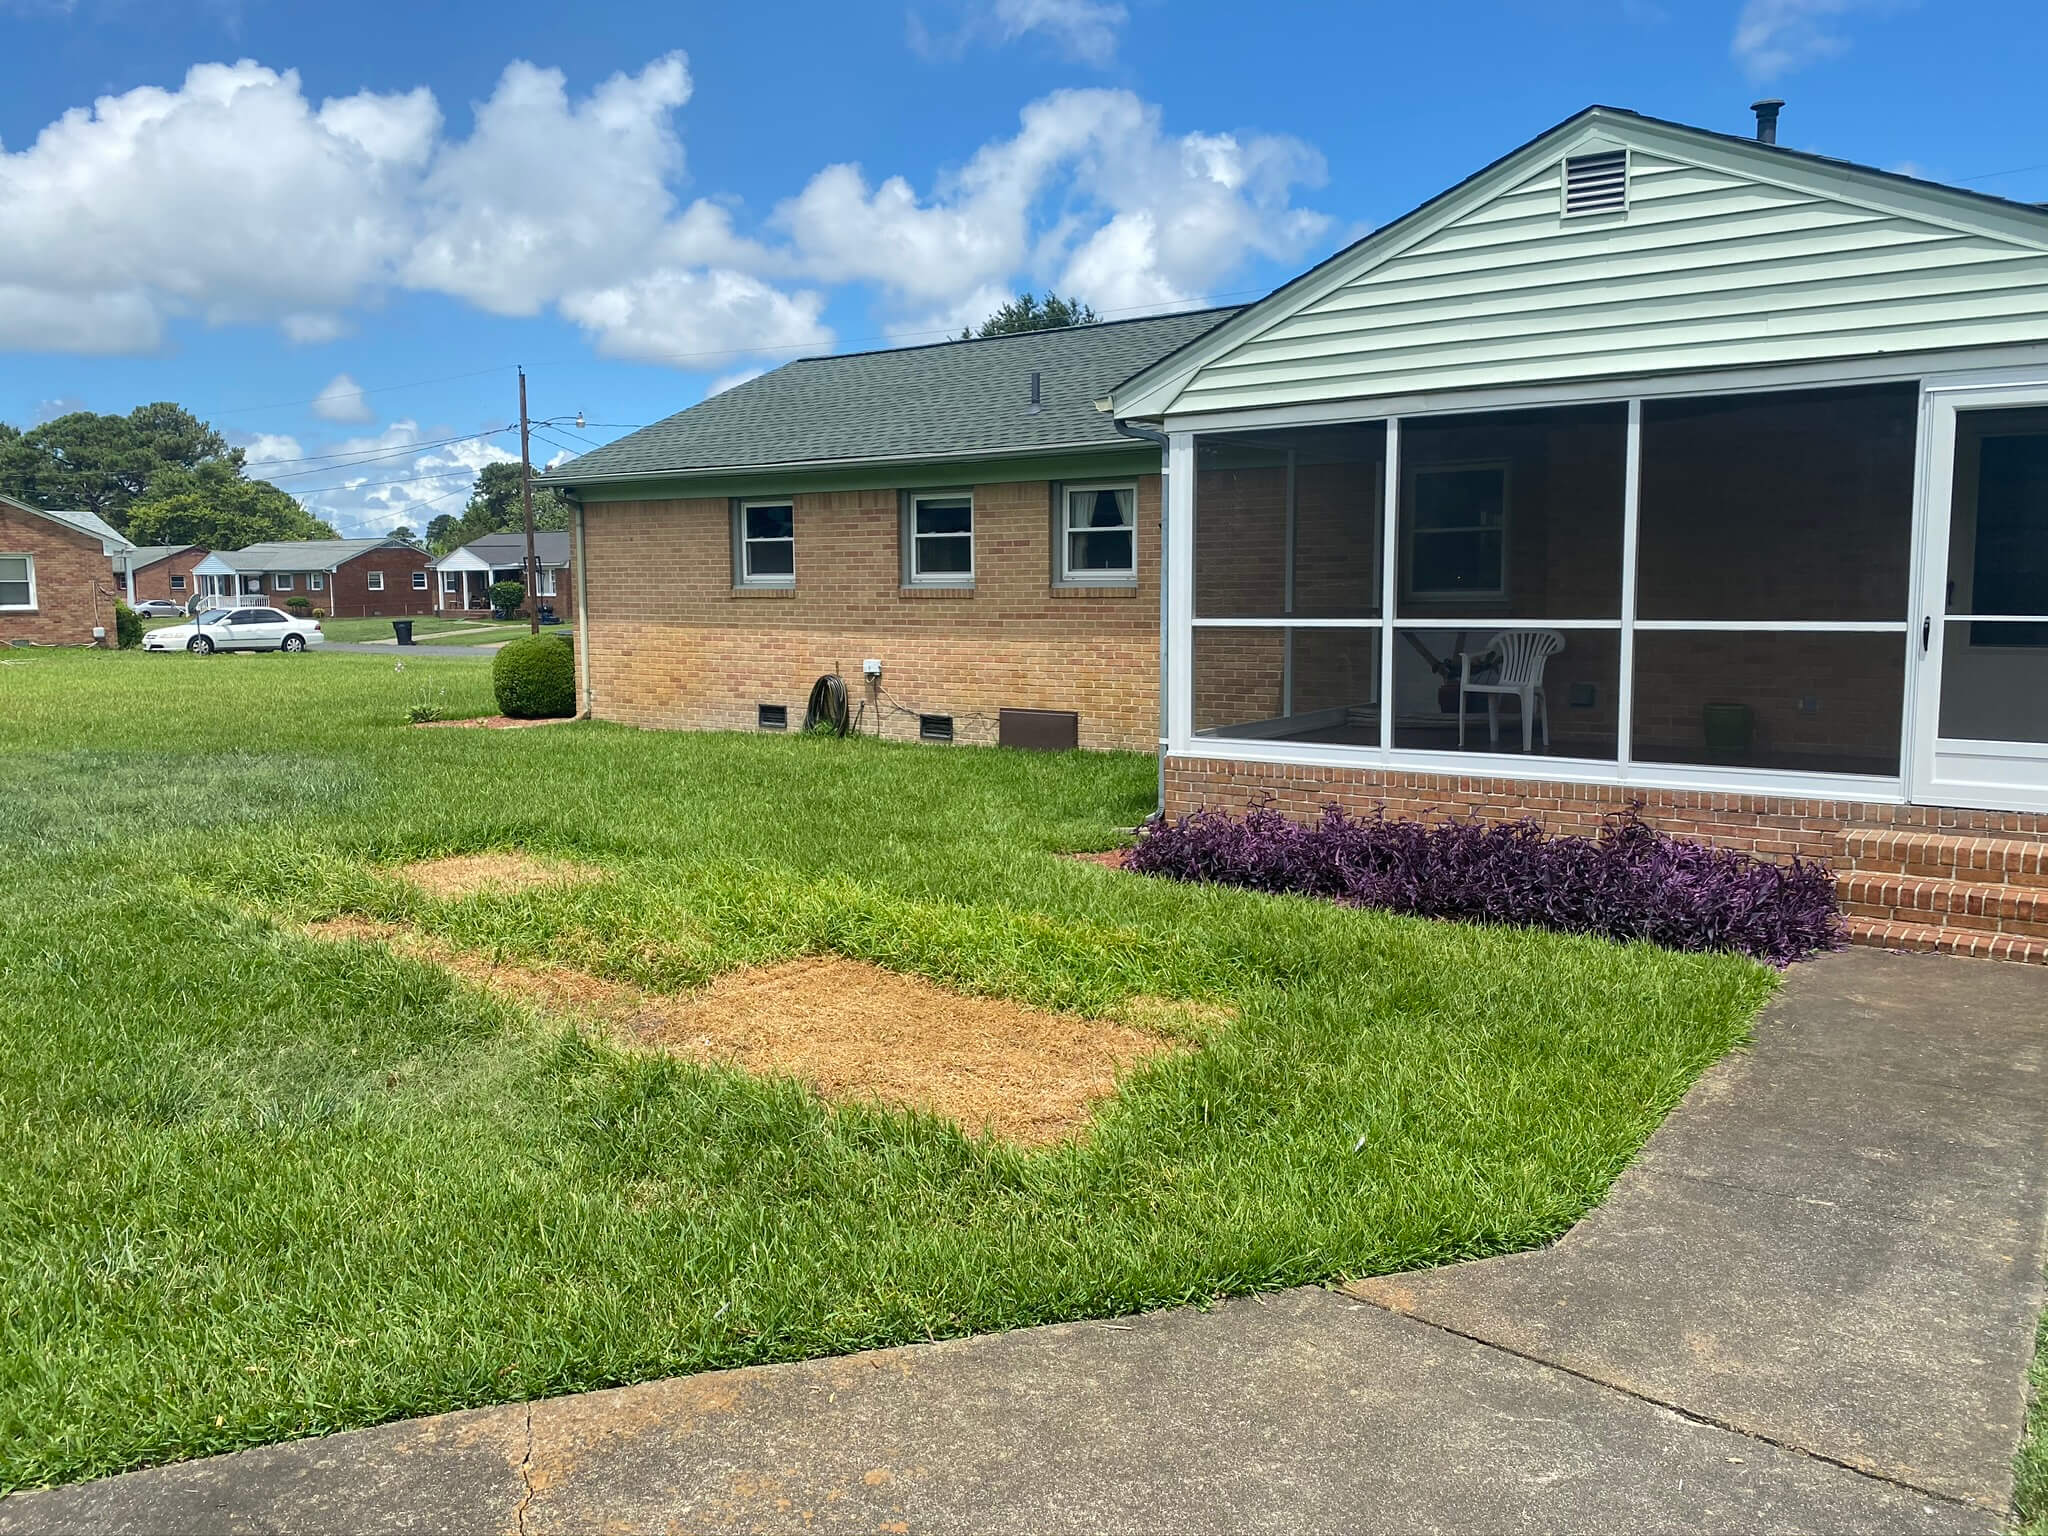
[1596, 183]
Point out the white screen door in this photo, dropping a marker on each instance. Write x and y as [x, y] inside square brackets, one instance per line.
[1983, 638]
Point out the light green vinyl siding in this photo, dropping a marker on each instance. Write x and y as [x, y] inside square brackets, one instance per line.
[1709, 268]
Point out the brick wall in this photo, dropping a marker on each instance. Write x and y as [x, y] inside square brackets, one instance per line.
[1776, 826]
[673, 644]
[74, 582]
[154, 581]
[348, 594]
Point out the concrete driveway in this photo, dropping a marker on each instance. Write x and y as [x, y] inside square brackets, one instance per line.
[1808, 1307]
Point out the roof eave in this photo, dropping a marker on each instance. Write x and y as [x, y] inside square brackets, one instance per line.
[799, 466]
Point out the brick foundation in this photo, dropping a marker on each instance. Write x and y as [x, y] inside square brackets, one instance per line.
[1909, 876]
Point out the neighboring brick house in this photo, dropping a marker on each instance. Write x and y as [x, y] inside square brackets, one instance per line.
[961, 514]
[346, 578]
[160, 571]
[57, 582]
[464, 577]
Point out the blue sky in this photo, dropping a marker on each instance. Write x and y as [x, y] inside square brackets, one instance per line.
[335, 230]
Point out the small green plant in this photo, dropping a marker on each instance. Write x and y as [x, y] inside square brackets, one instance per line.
[534, 678]
[506, 596]
[302, 606]
[127, 627]
[427, 703]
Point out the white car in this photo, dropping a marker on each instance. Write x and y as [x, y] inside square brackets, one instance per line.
[237, 629]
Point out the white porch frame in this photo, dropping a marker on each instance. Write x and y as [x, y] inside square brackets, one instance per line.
[2003, 372]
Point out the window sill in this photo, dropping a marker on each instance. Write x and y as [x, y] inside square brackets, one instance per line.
[765, 591]
[1121, 589]
[936, 590]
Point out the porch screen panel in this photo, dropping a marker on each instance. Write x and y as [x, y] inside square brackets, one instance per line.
[1287, 523]
[1301, 685]
[1511, 535]
[1774, 557]
[1994, 663]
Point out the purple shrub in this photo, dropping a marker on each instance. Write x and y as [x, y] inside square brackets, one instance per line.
[1629, 881]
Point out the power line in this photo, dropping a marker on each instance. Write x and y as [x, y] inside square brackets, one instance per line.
[383, 456]
[365, 455]
[378, 389]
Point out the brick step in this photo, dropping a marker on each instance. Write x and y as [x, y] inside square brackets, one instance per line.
[1877, 933]
[1946, 856]
[1971, 904]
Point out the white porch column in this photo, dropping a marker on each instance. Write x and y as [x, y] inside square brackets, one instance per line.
[1178, 611]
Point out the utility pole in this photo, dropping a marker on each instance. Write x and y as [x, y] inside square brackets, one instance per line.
[526, 505]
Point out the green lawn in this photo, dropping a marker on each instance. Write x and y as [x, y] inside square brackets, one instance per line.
[439, 631]
[2030, 1468]
[253, 1186]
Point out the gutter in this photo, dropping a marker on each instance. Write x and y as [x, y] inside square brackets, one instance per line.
[582, 611]
[1148, 434]
[564, 476]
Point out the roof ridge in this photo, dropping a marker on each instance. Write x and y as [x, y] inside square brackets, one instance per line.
[1050, 330]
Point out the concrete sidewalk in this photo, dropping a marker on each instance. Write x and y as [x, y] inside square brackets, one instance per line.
[1808, 1307]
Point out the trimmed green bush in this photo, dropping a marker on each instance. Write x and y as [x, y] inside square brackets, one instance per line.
[506, 596]
[302, 606]
[127, 627]
[534, 678]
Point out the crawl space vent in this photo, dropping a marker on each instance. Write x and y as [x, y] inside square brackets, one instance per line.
[773, 717]
[1596, 183]
[935, 727]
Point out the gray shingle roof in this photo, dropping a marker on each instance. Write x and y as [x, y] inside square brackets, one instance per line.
[954, 398]
[88, 523]
[148, 554]
[550, 547]
[299, 554]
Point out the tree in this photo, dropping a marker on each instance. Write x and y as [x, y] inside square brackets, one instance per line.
[444, 533]
[215, 506]
[1027, 312]
[494, 507]
[105, 464]
[405, 533]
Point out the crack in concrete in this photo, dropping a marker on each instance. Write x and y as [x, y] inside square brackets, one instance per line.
[525, 1477]
[1694, 1416]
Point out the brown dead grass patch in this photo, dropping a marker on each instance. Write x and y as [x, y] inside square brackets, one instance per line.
[473, 874]
[853, 1032]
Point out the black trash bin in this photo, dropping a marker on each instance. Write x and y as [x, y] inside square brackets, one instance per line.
[403, 629]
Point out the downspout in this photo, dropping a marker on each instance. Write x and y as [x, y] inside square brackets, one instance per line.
[582, 609]
[1153, 435]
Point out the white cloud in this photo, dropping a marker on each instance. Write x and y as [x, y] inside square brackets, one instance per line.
[342, 400]
[398, 488]
[672, 315]
[1775, 37]
[114, 224]
[1082, 29]
[1139, 217]
[275, 448]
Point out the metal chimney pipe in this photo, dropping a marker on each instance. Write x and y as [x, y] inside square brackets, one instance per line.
[1767, 112]
[1034, 392]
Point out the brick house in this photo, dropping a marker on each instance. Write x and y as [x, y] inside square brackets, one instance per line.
[345, 578]
[160, 571]
[961, 514]
[57, 581]
[464, 577]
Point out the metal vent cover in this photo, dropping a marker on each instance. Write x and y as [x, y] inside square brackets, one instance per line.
[1596, 183]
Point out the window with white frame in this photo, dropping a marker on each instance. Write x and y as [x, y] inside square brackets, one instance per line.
[316, 582]
[941, 542]
[451, 581]
[376, 581]
[419, 581]
[281, 582]
[547, 581]
[765, 535]
[177, 583]
[17, 581]
[1457, 543]
[1098, 539]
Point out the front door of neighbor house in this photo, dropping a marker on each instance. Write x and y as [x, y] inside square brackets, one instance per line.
[1982, 635]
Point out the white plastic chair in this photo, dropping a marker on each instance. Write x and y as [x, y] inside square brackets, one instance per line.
[1518, 656]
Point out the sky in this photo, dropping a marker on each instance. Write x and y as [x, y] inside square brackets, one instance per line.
[336, 231]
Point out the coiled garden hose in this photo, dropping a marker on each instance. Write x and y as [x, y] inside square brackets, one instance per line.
[827, 708]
